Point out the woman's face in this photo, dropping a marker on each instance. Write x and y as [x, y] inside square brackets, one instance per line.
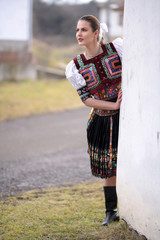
[84, 34]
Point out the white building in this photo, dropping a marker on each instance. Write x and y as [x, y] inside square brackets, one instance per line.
[111, 12]
[116, 20]
[15, 40]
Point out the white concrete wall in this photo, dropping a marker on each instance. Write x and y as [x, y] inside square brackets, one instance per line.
[138, 177]
[15, 19]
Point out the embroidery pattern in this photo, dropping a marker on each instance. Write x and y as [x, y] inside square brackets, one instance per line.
[100, 71]
[105, 113]
[109, 49]
[108, 92]
[102, 162]
[83, 93]
[80, 62]
[112, 66]
[90, 75]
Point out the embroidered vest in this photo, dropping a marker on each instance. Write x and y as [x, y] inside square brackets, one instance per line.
[102, 70]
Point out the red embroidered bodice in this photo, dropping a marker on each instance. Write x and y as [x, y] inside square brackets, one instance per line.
[101, 73]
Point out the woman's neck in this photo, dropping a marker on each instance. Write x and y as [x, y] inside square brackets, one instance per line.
[92, 51]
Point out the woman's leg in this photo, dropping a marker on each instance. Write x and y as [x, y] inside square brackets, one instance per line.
[110, 201]
[110, 181]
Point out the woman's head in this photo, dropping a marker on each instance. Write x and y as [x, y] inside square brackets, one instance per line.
[94, 22]
[88, 28]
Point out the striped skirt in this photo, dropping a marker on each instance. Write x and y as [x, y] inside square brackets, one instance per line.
[102, 136]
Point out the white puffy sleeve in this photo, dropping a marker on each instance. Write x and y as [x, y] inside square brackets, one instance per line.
[77, 81]
[118, 44]
[74, 76]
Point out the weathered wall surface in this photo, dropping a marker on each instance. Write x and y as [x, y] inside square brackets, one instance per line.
[139, 139]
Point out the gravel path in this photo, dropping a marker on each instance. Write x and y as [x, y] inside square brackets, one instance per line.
[44, 150]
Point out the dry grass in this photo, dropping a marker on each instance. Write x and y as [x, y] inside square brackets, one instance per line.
[68, 213]
[25, 98]
[56, 57]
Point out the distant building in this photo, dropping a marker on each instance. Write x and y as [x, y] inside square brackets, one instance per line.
[116, 18]
[111, 12]
[16, 60]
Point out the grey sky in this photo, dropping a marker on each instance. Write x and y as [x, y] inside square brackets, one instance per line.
[72, 1]
[67, 1]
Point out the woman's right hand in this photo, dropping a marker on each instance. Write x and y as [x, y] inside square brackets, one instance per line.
[119, 99]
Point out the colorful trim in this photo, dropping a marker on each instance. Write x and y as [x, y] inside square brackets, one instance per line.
[103, 163]
[104, 113]
[80, 61]
[83, 93]
[108, 48]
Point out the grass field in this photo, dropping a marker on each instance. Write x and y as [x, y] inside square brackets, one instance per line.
[68, 213]
[24, 98]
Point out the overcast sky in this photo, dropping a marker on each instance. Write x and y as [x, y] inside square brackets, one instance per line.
[72, 1]
[67, 1]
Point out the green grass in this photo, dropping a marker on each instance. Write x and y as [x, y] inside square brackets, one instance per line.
[24, 98]
[68, 213]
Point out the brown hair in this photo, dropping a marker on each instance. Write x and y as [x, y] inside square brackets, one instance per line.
[94, 23]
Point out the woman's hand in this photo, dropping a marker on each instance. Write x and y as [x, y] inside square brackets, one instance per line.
[104, 105]
[119, 99]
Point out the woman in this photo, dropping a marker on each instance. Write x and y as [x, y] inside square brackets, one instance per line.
[96, 75]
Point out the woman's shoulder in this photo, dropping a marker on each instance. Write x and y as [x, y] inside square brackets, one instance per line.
[73, 75]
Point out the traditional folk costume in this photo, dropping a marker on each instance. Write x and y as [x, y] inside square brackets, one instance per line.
[100, 78]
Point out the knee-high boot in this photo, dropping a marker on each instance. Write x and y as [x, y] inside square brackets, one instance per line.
[111, 205]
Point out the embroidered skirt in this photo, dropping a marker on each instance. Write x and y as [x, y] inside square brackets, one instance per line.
[102, 136]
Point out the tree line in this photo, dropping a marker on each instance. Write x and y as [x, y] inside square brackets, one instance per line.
[58, 19]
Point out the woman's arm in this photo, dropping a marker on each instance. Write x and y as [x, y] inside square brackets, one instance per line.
[104, 105]
[78, 82]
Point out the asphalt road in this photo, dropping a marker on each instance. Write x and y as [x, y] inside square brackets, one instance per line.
[44, 150]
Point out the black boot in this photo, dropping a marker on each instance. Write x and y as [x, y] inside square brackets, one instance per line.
[111, 205]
